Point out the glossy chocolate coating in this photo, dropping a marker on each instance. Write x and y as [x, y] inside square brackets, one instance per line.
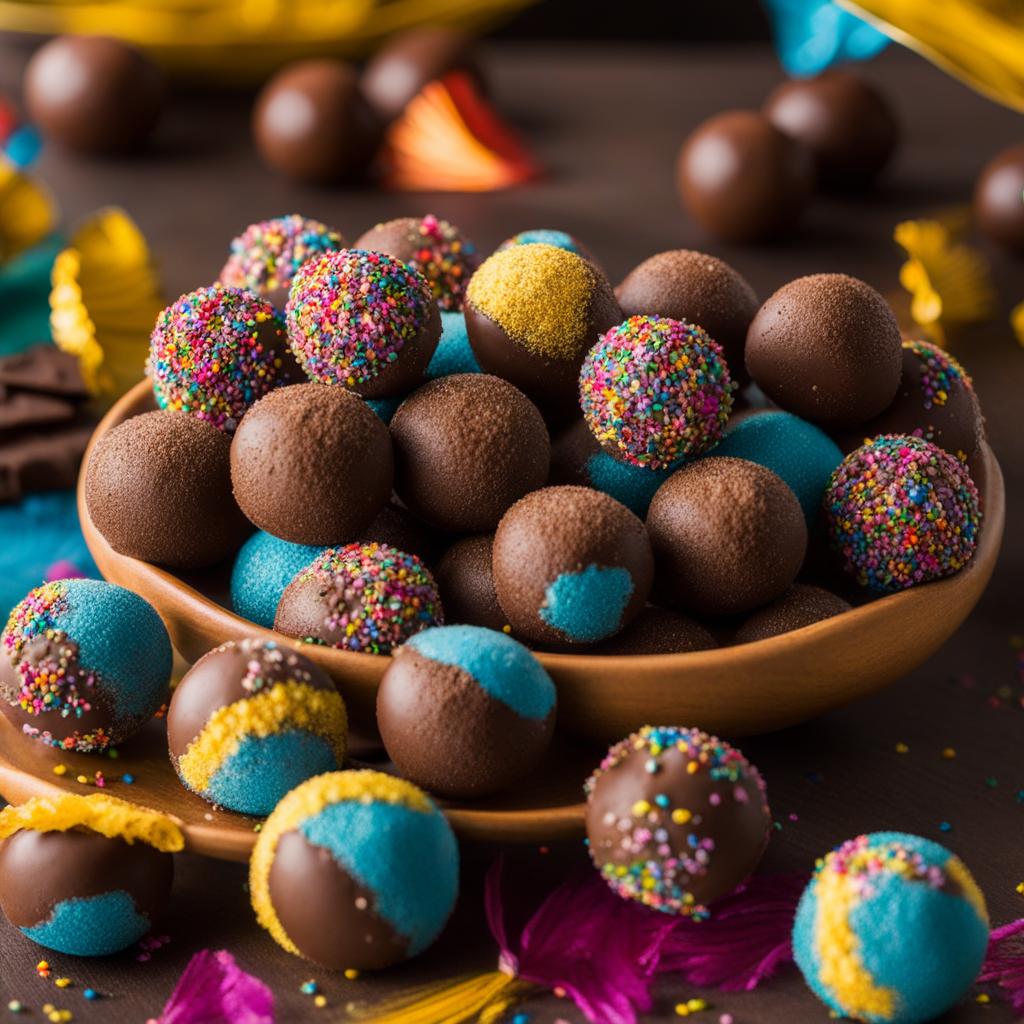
[659, 631]
[801, 605]
[465, 579]
[741, 179]
[999, 199]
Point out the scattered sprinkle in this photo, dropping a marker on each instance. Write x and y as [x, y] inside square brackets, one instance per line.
[320, 1001]
[128, 778]
[60, 769]
[91, 994]
[309, 988]
[944, 826]
[902, 748]
[62, 982]
[351, 974]
[948, 753]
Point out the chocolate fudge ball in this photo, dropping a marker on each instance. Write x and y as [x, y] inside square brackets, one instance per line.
[468, 447]
[847, 124]
[826, 347]
[158, 487]
[93, 94]
[741, 179]
[659, 631]
[698, 288]
[571, 566]
[465, 578]
[311, 464]
[465, 711]
[728, 536]
[999, 199]
[801, 605]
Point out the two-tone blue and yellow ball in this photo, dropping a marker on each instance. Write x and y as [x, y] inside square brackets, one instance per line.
[892, 929]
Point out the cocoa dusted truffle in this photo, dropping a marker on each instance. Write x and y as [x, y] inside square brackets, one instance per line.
[158, 487]
[999, 198]
[466, 580]
[311, 464]
[826, 347]
[465, 711]
[741, 179]
[698, 288]
[571, 566]
[847, 124]
[801, 605]
[728, 536]
[466, 448]
[659, 631]
[676, 819]
[532, 312]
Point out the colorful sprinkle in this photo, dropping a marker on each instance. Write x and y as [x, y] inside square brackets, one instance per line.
[940, 373]
[91, 994]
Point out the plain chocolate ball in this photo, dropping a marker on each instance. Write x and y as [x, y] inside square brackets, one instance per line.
[742, 179]
[999, 199]
[659, 631]
[465, 579]
[801, 605]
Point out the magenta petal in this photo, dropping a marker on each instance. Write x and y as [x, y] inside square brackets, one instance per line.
[214, 990]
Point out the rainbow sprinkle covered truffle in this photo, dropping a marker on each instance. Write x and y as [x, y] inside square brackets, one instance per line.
[355, 870]
[360, 597]
[267, 255]
[214, 352]
[676, 819]
[83, 664]
[364, 320]
[892, 929]
[902, 511]
[655, 390]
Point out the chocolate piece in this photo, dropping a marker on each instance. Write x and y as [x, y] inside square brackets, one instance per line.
[44, 369]
[826, 347]
[42, 460]
[741, 179]
[843, 120]
[158, 487]
[999, 198]
[466, 582]
[20, 409]
[728, 536]
[93, 94]
[312, 464]
[467, 447]
[799, 606]
[659, 631]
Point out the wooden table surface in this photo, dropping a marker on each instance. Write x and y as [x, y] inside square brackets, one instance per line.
[607, 123]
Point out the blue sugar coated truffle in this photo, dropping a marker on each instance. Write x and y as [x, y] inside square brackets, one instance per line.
[264, 567]
[385, 408]
[453, 353]
[634, 486]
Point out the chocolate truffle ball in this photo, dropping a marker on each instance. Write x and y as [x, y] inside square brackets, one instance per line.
[361, 597]
[252, 720]
[432, 247]
[83, 664]
[799, 606]
[902, 511]
[659, 631]
[655, 391]
[532, 312]
[465, 711]
[363, 320]
[999, 199]
[93, 94]
[847, 124]
[355, 870]
[398, 528]
[85, 875]
[728, 536]
[571, 566]
[676, 819]
[466, 448]
[264, 566]
[699, 289]
[548, 236]
[741, 179]
[826, 347]
[466, 580]
[311, 464]
[158, 487]
[312, 124]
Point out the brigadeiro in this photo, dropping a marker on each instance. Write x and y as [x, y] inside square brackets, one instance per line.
[999, 199]
[93, 94]
[312, 123]
[465, 711]
[263, 568]
[466, 580]
[571, 566]
[902, 511]
[361, 597]
[266, 256]
[311, 464]
[466, 448]
[83, 664]
[698, 288]
[434, 248]
[676, 819]
[364, 320]
[659, 631]
[799, 606]
[826, 347]
[214, 352]
[532, 312]
[742, 179]
[85, 875]
[355, 870]
[847, 124]
[728, 536]
[655, 391]
[250, 721]
[158, 487]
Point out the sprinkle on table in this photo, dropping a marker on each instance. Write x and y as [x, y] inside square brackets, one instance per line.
[60, 769]
[902, 748]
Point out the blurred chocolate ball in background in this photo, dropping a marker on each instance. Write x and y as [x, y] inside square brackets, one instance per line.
[999, 199]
